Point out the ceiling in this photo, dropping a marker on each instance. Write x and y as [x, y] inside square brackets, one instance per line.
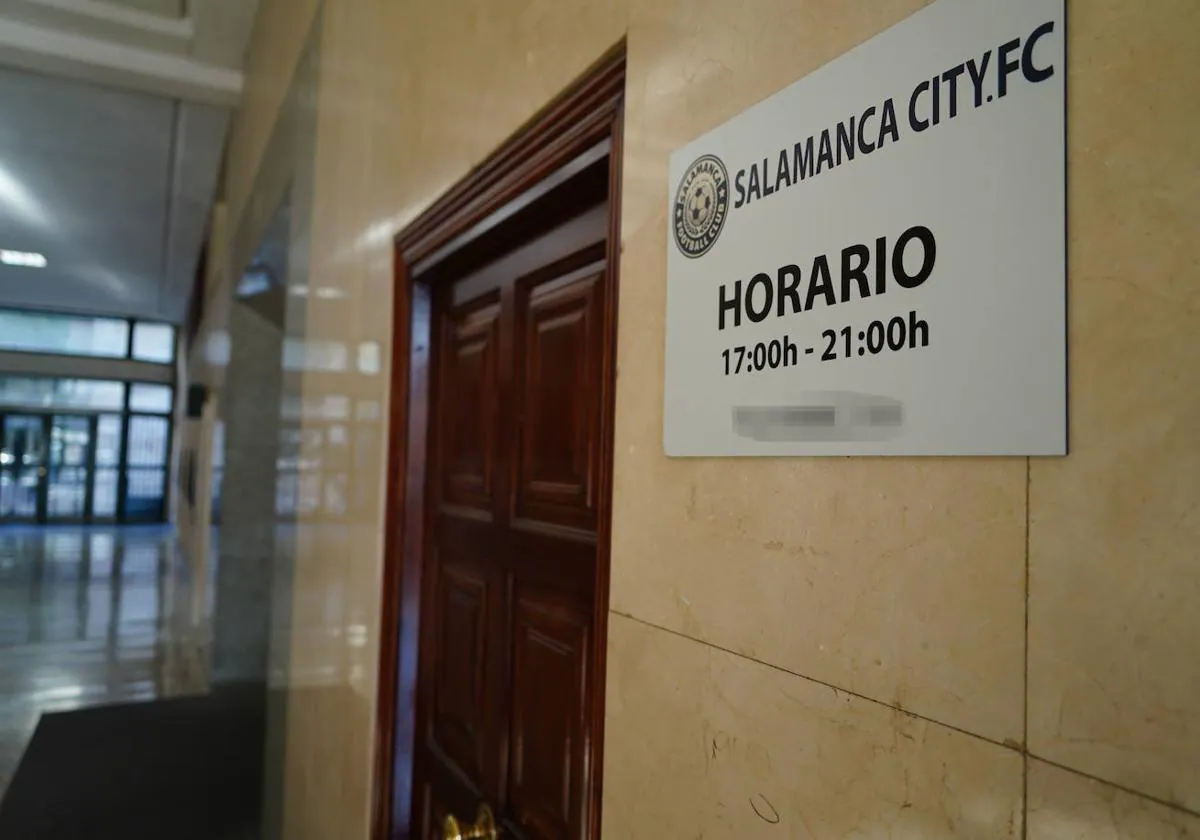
[115, 116]
[92, 178]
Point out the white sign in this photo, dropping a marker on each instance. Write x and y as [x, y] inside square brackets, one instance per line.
[873, 260]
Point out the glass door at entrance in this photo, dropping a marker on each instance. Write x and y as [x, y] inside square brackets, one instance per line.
[70, 465]
[46, 466]
[22, 467]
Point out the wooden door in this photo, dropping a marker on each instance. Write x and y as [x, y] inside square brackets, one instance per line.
[495, 599]
[516, 427]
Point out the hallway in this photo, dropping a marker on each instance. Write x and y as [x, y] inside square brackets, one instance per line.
[91, 617]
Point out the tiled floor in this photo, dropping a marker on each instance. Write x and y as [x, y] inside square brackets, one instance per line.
[91, 616]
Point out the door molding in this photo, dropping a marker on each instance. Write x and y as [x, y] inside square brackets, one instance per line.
[590, 112]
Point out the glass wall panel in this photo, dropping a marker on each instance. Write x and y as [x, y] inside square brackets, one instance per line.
[153, 398]
[76, 335]
[31, 392]
[144, 494]
[109, 431]
[153, 342]
[70, 440]
[104, 493]
[108, 440]
[147, 441]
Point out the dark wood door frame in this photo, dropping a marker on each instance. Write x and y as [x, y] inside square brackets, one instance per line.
[590, 113]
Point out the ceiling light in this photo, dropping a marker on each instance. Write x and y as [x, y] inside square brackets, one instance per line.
[330, 293]
[23, 258]
[298, 291]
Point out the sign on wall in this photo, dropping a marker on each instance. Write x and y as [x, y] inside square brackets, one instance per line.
[873, 260]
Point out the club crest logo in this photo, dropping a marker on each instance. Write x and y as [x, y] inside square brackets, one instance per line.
[701, 205]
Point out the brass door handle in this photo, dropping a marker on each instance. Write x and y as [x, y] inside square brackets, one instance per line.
[483, 829]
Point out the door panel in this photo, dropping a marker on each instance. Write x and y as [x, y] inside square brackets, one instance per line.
[23, 455]
[105, 484]
[147, 443]
[549, 688]
[469, 407]
[70, 442]
[23, 460]
[560, 366]
[459, 710]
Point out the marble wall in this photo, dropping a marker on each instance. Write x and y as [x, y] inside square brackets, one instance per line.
[989, 648]
[241, 619]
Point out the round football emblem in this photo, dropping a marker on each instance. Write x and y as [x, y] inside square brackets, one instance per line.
[701, 204]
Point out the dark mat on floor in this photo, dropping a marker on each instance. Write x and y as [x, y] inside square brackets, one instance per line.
[183, 769]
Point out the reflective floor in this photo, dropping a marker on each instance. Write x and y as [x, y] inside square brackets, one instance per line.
[91, 616]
